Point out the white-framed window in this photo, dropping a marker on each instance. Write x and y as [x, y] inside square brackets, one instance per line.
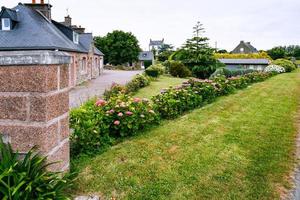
[242, 49]
[75, 37]
[6, 25]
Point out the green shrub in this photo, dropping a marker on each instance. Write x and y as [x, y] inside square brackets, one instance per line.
[174, 101]
[205, 88]
[223, 86]
[98, 123]
[90, 135]
[147, 63]
[155, 70]
[125, 115]
[114, 90]
[178, 69]
[286, 64]
[138, 82]
[27, 178]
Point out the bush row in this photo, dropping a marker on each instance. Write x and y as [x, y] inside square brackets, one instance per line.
[98, 124]
[197, 92]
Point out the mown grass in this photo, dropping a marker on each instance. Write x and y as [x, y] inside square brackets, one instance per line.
[157, 85]
[240, 147]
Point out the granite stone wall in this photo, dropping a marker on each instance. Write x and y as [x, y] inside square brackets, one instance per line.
[34, 103]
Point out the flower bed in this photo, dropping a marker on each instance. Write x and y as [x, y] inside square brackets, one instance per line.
[97, 124]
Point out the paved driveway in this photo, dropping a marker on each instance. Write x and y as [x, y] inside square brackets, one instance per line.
[96, 87]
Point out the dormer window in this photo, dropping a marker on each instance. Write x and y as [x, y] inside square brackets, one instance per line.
[6, 24]
[75, 37]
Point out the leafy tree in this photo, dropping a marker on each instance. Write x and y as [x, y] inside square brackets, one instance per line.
[197, 55]
[277, 53]
[119, 47]
[164, 52]
[165, 47]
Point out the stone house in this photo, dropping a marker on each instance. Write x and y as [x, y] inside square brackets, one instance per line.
[155, 44]
[146, 58]
[28, 27]
[245, 48]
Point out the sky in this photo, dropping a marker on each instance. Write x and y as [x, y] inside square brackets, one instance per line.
[265, 23]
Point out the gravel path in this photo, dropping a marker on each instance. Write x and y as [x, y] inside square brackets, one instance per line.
[96, 87]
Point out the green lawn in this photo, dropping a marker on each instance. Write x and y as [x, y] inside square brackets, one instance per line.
[155, 87]
[240, 147]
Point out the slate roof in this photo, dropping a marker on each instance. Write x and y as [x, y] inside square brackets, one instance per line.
[249, 45]
[245, 61]
[34, 31]
[146, 55]
[86, 40]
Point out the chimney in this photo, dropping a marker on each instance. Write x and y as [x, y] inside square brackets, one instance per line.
[43, 7]
[79, 29]
[68, 21]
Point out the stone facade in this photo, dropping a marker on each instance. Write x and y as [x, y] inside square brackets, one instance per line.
[84, 67]
[244, 48]
[34, 103]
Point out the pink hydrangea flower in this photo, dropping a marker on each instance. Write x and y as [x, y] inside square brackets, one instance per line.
[136, 100]
[117, 123]
[111, 111]
[100, 102]
[129, 113]
[120, 114]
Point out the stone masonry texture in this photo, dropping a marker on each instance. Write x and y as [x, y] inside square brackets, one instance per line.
[34, 103]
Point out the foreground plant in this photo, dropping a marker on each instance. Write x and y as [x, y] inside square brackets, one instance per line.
[27, 178]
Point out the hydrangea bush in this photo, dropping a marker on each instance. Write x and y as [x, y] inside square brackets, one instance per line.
[99, 123]
[275, 68]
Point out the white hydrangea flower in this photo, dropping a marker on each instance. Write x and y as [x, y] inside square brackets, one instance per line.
[274, 68]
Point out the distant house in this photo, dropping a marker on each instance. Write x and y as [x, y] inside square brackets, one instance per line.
[30, 27]
[155, 44]
[255, 64]
[146, 58]
[245, 47]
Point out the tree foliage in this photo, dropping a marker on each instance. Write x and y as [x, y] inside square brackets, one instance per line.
[164, 52]
[119, 47]
[197, 55]
[285, 52]
[277, 53]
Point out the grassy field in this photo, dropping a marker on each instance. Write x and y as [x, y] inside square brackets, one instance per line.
[156, 86]
[240, 147]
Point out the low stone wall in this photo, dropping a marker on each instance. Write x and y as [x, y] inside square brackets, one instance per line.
[34, 103]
